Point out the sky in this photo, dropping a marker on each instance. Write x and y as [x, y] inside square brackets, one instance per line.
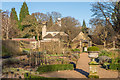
[78, 10]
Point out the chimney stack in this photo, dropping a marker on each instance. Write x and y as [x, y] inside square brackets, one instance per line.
[59, 22]
[44, 29]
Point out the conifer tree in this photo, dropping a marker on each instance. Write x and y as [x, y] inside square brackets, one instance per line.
[84, 24]
[23, 13]
[84, 28]
[14, 23]
[13, 14]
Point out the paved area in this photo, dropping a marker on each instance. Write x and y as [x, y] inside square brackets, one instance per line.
[82, 70]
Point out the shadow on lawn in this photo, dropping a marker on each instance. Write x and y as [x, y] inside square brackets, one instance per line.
[82, 72]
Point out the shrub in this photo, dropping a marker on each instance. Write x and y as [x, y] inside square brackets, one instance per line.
[93, 76]
[40, 77]
[49, 68]
[115, 66]
[76, 56]
[105, 53]
[10, 61]
[93, 48]
[5, 53]
[75, 49]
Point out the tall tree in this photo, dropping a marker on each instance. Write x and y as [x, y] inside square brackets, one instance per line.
[13, 14]
[84, 24]
[70, 26]
[14, 23]
[33, 27]
[50, 22]
[54, 15]
[6, 27]
[102, 12]
[23, 13]
[84, 27]
[116, 17]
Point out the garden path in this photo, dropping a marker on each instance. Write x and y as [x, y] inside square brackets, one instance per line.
[82, 70]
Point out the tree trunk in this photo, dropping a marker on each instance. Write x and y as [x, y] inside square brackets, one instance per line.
[104, 44]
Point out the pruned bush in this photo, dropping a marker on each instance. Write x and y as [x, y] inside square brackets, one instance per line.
[93, 76]
[28, 75]
[75, 49]
[49, 68]
[93, 48]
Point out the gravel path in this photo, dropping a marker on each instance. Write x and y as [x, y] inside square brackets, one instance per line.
[82, 70]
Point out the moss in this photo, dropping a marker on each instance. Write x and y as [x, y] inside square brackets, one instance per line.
[93, 48]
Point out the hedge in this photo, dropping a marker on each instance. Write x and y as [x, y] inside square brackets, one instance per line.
[93, 48]
[49, 68]
[93, 76]
[40, 77]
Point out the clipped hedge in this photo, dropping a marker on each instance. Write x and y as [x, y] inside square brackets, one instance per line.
[93, 48]
[75, 49]
[93, 76]
[28, 76]
[49, 68]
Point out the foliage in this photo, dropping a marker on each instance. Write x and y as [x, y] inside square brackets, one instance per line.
[28, 75]
[84, 27]
[93, 48]
[5, 52]
[10, 61]
[93, 63]
[49, 68]
[75, 49]
[84, 24]
[55, 54]
[114, 66]
[93, 76]
[23, 12]
[105, 53]
[13, 14]
[11, 47]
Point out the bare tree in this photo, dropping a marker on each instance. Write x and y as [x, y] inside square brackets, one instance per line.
[6, 26]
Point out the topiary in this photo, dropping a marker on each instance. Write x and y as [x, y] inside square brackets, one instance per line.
[93, 48]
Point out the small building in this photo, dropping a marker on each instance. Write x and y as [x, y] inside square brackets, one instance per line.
[82, 41]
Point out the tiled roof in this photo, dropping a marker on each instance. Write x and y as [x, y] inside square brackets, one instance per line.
[23, 39]
[48, 36]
